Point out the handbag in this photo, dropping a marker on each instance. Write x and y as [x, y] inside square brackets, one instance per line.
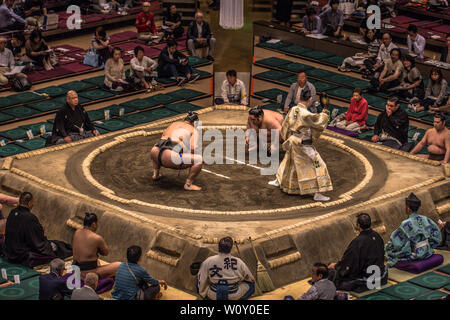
[91, 58]
[21, 84]
[142, 286]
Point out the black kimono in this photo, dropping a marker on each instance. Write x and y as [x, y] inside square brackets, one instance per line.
[365, 250]
[26, 243]
[396, 125]
[68, 122]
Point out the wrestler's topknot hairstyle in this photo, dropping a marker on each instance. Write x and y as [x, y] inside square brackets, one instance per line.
[89, 219]
[256, 111]
[225, 245]
[191, 117]
[305, 95]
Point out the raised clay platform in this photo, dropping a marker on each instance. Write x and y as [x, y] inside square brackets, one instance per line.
[111, 176]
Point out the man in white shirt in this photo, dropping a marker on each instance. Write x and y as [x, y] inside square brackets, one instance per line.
[416, 42]
[233, 90]
[384, 54]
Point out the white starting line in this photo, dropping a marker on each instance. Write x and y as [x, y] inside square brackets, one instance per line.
[242, 162]
[217, 174]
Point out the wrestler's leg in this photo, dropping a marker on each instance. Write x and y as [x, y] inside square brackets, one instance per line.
[435, 149]
[154, 156]
[171, 159]
[197, 162]
[103, 272]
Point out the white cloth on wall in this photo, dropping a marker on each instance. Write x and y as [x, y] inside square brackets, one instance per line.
[231, 14]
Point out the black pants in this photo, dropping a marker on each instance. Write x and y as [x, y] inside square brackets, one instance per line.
[387, 85]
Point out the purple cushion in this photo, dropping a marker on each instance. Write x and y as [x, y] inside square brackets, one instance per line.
[103, 284]
[442, 29]
[420, 266]
[122, 36]
[402, 20]
[343, 131]
[76, 67]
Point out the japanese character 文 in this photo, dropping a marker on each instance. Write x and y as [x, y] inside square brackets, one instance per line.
[215, 271]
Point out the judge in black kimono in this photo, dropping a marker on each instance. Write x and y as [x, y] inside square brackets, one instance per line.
[25, 241]
[391, 128]
[367, 249]
[72, 122]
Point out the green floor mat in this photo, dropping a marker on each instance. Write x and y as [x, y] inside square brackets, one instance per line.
[96, 94]
[14, 134]
[96, 115]
[17, 269]
[405, 291]
[36, 127]
[435, 295]
[182, 107]
[203, 74]
[84, 84]
[101, 130]
[412, 132]
[162, 113]
[376, 102]
[114, 109]
[271, 94]
[277, 45]
[296, 49]
[161, 98]
[139, 118]
[371, 119]
[10, 150]
[273, 75]
[26, 289]
[358, 83]
[445, 269]
[447, 287]
[47, 105]
[5, 117]
[296, 67]
[21, 112]
[323, 86]
[340, 109]
[273, 62]
[431, 280]
[186, 94]
[195, 61]
[114, 124]
[136, 104]
[33, 144]
[165, 80]
[94, 81]
[319, 73]
[272, 106]
[378, 296]
[316, 54]
[343, 93]
[54, 91]
[8, 101]
[289, 80]
[366, 135]
[148, 102]
[25, 97]
[334, 60]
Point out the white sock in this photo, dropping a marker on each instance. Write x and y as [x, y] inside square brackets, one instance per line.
[274, 183]
[320, 197]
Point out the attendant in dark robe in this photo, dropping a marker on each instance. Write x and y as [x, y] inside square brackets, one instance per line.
[72, 123]
[25, 241]
[51, 286]
[367, 249]
[391, 128]
[445, 233]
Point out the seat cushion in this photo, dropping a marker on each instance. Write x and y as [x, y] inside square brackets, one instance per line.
[186, 94]
[114, 124]
[431, 280]
[296, 49]
[182, 107]
[434, 295]
[36, 127]
[420, 266]
[405, 291]
[343, 93]
[33, 144]
[165, 98]
[295, 67]
[277, 45]
[344, 132]
[26, 289]
[14, 134]
[10, 150]
[445, 269]
[273, 75]
[273, 62]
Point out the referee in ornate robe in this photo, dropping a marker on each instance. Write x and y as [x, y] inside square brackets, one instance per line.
[416, 237]
[302, 170]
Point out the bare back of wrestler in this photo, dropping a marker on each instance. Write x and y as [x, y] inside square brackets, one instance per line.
[170, 151]
[87, 247]
[259, 118]
[438, 141]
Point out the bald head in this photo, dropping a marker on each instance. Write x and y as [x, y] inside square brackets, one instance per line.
[72, 98]
[146, 6]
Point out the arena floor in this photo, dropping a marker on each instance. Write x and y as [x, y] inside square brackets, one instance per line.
[111, 175]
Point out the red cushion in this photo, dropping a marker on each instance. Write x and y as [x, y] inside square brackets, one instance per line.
[122, 36]
[402, 20]
[150, 52]
[76, 67]
[92, 18]
[443, 29]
